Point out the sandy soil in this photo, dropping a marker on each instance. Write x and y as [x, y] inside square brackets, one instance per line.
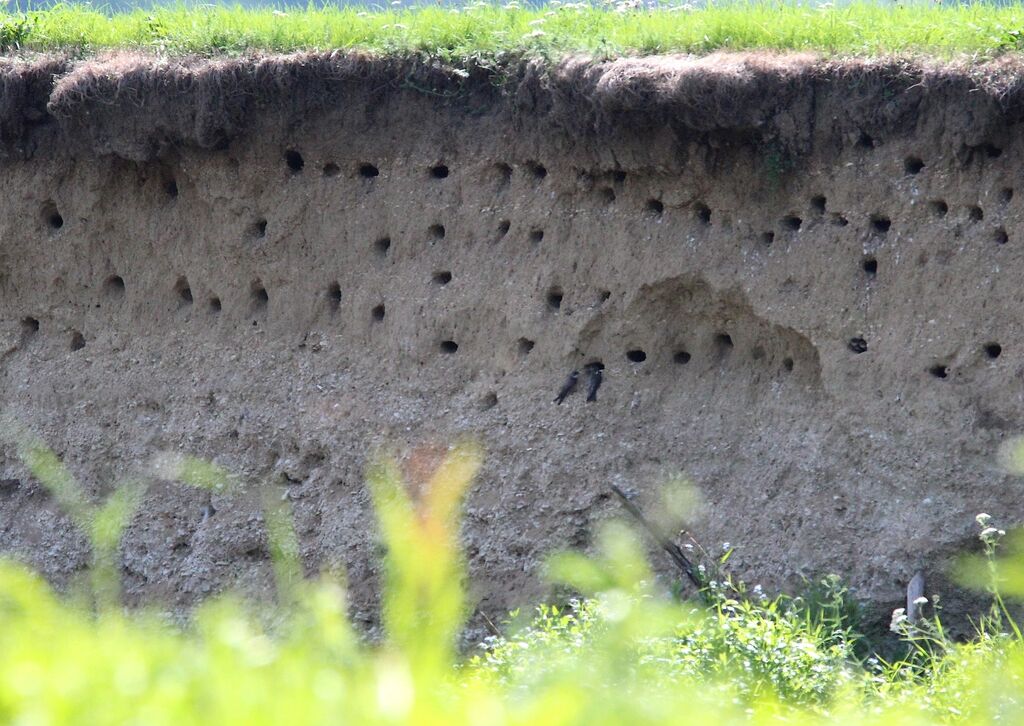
[812, 313]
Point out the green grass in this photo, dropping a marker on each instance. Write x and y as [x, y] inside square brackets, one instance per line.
[625, 652]
[486, 31]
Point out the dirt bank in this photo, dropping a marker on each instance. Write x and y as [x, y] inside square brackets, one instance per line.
[801, 276]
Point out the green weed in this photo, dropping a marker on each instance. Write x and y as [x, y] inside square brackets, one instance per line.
[624, 651]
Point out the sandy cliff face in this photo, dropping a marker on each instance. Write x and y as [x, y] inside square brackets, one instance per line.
[803, 281]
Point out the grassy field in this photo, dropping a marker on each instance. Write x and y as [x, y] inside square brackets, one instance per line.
[624, 651]
[486, 31]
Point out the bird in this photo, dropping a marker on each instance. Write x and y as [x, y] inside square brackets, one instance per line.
[595, 375]
[568, 386]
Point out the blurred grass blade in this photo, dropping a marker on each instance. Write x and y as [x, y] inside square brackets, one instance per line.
[107, 524]
[51, 472]
[284, 547]
[423, 597]
[195, 472]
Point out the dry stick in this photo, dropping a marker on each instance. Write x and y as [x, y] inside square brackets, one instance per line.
[490, 626]
[668, 545]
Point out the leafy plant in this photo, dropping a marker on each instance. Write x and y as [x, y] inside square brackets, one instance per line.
[15, 30]
[625, 651]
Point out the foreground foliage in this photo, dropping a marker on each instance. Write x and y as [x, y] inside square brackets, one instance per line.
[627, 652]
[482, 31]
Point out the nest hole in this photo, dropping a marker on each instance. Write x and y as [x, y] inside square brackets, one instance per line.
[636, 355]
[939, 371]
[113, 287]
[368, 171]
[655, 207]
[442, 278]
[607, 195]
[864, 142]
[489, 401]
[703, 214]
[792, 223]
[999, 236]
[449, 346]
[260, 297]
[503, 227]
[555, 298]
[29, 326]
[436, 231]
[870, 266]
[767, 239]
[214, 305]
[991, 151]
[331, 169]
[381, 246]
[439, 172]
[536, 236]
[681, 357]
[503, 174]
[723, 344]
[171, 188]
[857, 345]
[880, 224]
[1006, 195]
[818, 204]
[993, 350]
[294, 161]
[939, 208]
[77, 341]
[183, 291]
[618, 176]
[913, 165]
[524, 346]
[378, 312]
[839, 220]
[975, 213]
[787, 363]
[51, 216]
[334, 296]
[537, 170]
[258, 229]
